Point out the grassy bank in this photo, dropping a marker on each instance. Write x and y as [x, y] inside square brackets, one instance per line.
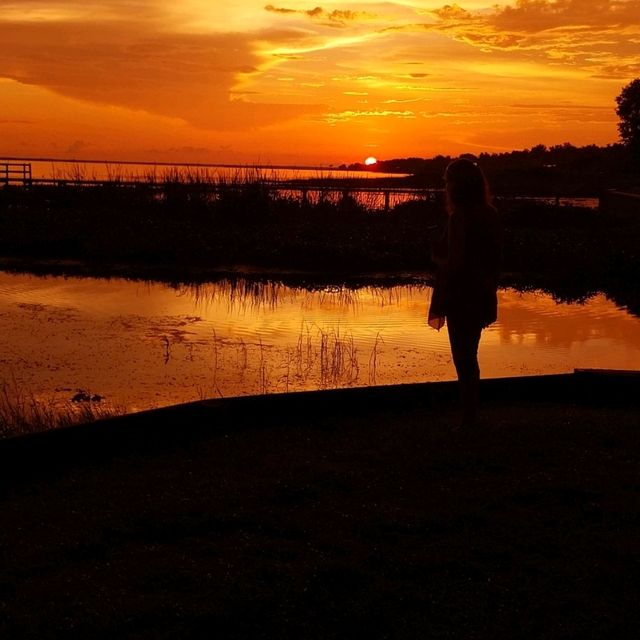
[189, 225]
[374, 521]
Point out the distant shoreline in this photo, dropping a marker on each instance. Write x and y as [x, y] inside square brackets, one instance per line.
[222, 165]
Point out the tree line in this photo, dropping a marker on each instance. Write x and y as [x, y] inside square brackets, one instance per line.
[562, 169]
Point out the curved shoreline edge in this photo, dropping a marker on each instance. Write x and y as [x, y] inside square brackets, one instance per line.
[22, 457]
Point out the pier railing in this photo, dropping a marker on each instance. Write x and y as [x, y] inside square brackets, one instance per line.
[15, 173]
[372, 197]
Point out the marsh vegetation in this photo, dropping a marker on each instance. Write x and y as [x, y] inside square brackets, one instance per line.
[23, 412]
[189, 223]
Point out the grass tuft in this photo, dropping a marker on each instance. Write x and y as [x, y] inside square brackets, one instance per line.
[21, 412]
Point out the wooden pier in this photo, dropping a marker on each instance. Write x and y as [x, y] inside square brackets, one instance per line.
[307, 191]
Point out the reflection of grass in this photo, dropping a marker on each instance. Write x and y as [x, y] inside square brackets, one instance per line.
[21, 412]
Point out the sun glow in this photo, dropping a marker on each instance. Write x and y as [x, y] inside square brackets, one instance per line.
[370, 161]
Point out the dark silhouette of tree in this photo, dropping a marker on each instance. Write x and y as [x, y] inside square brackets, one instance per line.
[629, 113]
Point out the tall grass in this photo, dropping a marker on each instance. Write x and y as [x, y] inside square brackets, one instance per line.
[199, 218]
[22, 413]
[338, 359]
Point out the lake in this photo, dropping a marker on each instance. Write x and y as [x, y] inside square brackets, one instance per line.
[141, 345]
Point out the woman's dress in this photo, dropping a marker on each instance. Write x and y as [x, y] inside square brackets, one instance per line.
[466, 283]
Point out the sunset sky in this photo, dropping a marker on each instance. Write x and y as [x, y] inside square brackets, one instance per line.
[303, 83]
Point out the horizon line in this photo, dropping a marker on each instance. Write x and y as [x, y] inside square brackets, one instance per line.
[177, 164]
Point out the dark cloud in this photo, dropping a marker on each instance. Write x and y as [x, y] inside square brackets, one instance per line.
[133, 65]
[77, 146]
[337, 17]
[270, 7]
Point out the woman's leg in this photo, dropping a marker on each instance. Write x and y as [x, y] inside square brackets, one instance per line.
[464, 340]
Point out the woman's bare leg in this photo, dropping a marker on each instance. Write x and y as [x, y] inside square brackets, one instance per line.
[464, 342]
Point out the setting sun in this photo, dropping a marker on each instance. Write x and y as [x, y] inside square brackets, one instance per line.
[370, 161]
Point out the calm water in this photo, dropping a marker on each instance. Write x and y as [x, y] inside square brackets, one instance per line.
[147, 345]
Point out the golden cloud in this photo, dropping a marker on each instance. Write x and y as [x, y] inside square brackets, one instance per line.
[598, 36]
[452, 12]
[539, 15]
[374, 113]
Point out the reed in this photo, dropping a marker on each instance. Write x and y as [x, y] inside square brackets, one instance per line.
[324, 355]
[263, 370]
[373, 359]
[22, 413]
[338, 359]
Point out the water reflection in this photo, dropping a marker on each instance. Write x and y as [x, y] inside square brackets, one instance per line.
[151, 344]
[245, 296]
[537, 318]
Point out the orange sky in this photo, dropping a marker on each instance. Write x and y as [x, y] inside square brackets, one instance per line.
[300, 83]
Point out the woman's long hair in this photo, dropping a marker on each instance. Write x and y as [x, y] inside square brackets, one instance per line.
[466, 186]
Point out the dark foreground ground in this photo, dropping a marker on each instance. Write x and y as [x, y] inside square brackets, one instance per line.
[365, 517]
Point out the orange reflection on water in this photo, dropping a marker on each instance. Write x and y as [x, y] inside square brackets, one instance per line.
[148, 344]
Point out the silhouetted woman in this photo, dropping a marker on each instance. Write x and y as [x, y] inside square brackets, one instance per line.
[468, 260]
